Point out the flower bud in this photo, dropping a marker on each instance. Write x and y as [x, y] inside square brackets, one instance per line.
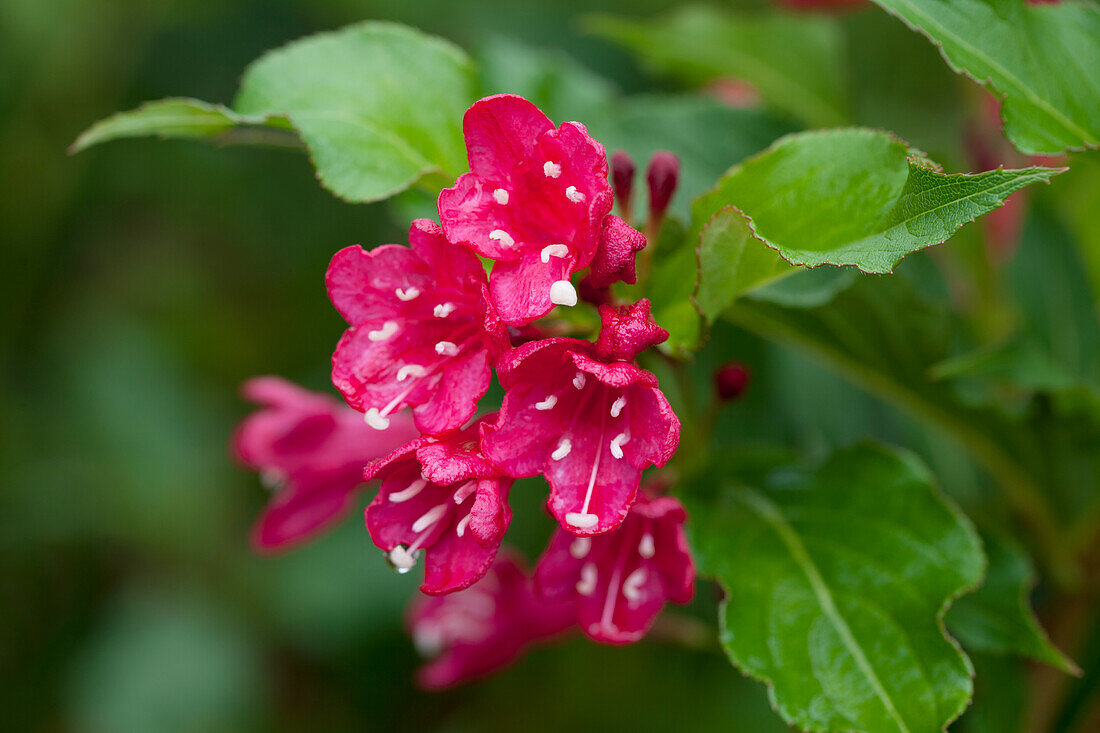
[662, 176]
[731, 380]
[622, 179]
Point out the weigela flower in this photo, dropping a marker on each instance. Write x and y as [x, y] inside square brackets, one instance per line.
[422, 330]
[614, 260]
[586, 417]
[312, 450]
[620, 580]
[440, 497]
[533, 201]
[475, 631]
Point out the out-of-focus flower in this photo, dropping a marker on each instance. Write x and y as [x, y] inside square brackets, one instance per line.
[484, 627]
[311, 449]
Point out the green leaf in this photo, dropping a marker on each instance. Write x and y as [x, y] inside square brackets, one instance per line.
[1042, 60]
[180, 118]
[378, 105]
[793, 61]
[837, 581]
[885, 338]
[1001, 696]
[732, 260]
[997, 618]
[855, 197]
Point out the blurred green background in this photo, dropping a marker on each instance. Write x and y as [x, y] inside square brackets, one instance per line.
[141, 282]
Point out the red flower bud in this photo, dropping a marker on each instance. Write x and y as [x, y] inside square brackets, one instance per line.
[622, 180]
[732, 380]
[663, 175]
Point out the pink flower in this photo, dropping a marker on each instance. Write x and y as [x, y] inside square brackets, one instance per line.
[482, 628]
[313, 449]
[443, 498]
[614, 260]
[586, 417]
[534, 202]
[622, 579]
[422, 330]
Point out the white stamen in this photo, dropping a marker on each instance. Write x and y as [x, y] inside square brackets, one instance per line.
[375, 419]
[553, 250]
[579, 547]
[578, 381]
[413, 489]
[443, 310]
[547, 404]
[632, 586]
[402, 560]
[410, 370]
[617, 406]
[564, 446]
[587, 584]
[446, 348]
[617, 444]
[430, 517]
[562, 292]
[460, 528]
[463, 492]
[503, 237]
[581, 521]
[407, 294]
[389, 328]
[501, 196]
[647, 548]
[551, 169]
[574, 195]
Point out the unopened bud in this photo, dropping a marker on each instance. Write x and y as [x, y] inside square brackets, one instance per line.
[732, 380]
[622, 180]
[663, 175]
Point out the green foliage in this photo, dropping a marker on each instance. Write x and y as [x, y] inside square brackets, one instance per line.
[1042, 60]
[997, 618]
[793, 61]
[378, 105]
[836, 583]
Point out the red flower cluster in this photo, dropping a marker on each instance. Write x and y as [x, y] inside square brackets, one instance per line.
[426, 330]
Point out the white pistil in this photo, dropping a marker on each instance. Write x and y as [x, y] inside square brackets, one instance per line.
[646, 547]
[587, 584]
[460, 528]
[547, 404]
[632, 586]
[579, 547]
[574, 195]
[564, 446]
[446, 348]
[430, 517]
[617, 444]
[501, 196]
[579, 380]
[553, 250]
[410, 370]
[503, 237]
[389, 328]
[463, 492]
[551, 169]
[407, 294]
[443, 310]
[617, 406]
[402, 560]
[562, 292]
[581, 520]
[376, 419]
[413, 489]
